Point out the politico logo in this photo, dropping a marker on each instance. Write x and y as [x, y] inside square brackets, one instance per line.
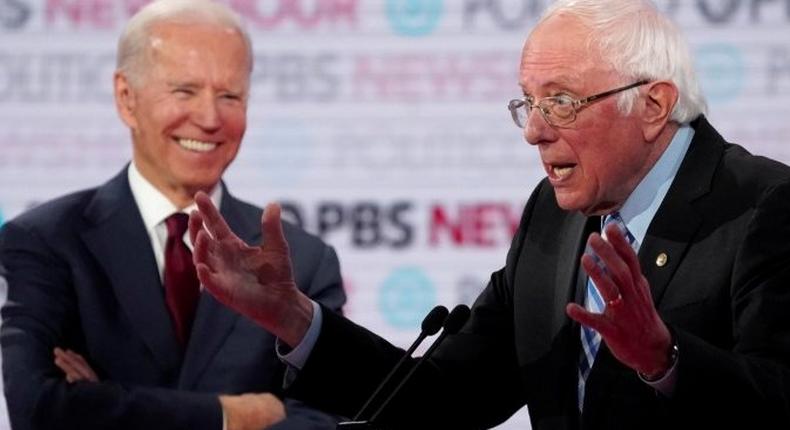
[405, 297]
[414, 17]
[722, 71]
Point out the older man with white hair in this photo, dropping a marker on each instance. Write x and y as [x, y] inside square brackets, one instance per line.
[673, 316]
[106, 325]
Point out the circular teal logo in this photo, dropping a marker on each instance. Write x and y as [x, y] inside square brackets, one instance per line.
[286, 155]
[414, 17]
[722, 71]
[405, 298]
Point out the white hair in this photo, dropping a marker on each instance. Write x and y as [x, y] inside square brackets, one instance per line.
[134, 40]
[640, 43]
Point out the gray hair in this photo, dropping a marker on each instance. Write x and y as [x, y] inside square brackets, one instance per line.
[133, 43]
[640, 43]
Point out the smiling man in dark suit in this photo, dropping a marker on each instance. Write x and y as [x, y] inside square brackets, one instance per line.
[101, 282]
[679, 316]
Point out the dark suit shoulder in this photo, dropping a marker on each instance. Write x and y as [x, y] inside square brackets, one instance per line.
[752, 173]
[724, 175]
[57, 215]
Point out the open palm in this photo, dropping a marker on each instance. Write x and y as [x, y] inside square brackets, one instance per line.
[253, 280]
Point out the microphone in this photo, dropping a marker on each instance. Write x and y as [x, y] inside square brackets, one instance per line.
[430, 326]
[452, 325]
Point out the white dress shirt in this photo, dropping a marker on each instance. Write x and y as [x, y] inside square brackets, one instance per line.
[155, 208]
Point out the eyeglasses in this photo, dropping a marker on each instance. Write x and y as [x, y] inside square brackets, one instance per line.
[559, 110]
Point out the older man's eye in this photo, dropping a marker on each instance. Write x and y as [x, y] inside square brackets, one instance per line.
[563, 100]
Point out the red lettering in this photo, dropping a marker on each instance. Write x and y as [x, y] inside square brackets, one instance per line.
[482, 225]
[93, 13]
[417, 77]
[297, 12]
[440, 223]
[132, 6]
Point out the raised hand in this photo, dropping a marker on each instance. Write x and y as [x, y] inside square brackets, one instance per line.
[256, 281]
[74, 366]
[630, 324]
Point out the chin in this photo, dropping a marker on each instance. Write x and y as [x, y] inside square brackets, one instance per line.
[569, 203]
[199, 184]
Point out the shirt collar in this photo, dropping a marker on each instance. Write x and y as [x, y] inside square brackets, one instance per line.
[153, 205]
[643, 203]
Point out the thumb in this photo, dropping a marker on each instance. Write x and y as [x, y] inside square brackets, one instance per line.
[272, 228]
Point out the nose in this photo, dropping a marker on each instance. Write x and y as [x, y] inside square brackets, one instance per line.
[537, 130]
[206, 113]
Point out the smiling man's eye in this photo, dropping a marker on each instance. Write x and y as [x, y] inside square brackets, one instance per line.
[183, 91]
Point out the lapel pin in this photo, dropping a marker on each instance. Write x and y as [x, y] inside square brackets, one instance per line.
[661, 259]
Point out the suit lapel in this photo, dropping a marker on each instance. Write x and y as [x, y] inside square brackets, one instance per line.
[213, 320]
[546, 306]
[119, 242]
[678, 220]
[579, 228]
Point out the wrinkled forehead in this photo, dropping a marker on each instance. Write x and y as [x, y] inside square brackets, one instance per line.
[558, 52]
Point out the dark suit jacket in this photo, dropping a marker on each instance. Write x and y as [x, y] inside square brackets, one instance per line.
[724, 291]
[82, 275]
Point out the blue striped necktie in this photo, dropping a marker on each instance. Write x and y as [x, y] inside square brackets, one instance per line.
[593, 302]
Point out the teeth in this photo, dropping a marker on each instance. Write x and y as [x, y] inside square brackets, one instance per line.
[562, 171]
[196, 145]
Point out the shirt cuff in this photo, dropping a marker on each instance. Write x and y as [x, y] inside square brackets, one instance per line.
[666, 384]
[297, 357]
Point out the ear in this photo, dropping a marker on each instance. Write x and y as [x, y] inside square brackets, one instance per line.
[125, 100]
[659, 102]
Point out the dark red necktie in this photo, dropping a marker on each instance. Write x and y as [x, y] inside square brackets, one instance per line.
[182, 288]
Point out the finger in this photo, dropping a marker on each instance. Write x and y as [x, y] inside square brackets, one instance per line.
[586, 318]
[62, 356]
[272, 228]
[607, 270]
[200, 248]
[68, 370]
[212, 219]
[211, 283]
[624, 249]
[207, 251]
[600, 278]
[79, 366]
[616, 268]
[82, 366]
[195, 225]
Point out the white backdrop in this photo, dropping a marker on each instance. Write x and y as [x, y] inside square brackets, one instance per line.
[380, 124]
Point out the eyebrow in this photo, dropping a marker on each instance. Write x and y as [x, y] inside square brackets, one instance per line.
[182, 84]
[559, 82]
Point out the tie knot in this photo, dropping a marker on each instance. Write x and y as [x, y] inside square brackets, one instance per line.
[177, 224]
[613, 217]
[616, 219]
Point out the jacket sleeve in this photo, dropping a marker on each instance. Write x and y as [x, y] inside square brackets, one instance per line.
[324, 285]
[748, 383]
[472, 381]
[40, 314]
